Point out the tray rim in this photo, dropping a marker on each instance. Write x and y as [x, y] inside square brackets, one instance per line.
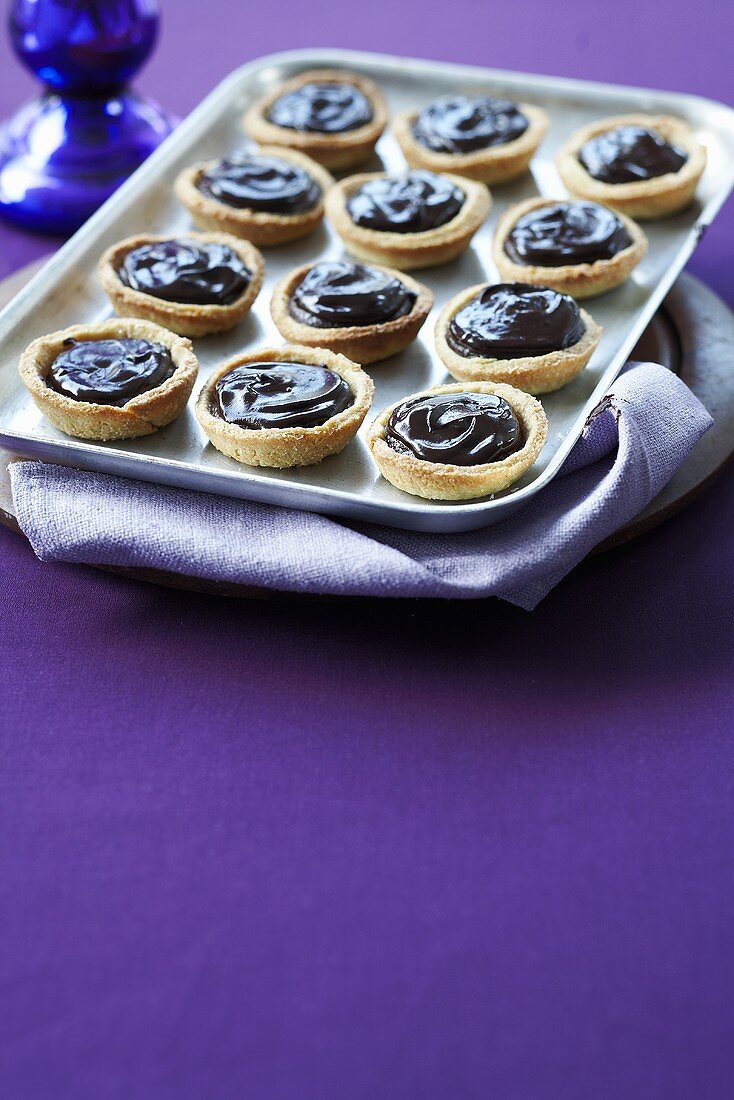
[408, 514]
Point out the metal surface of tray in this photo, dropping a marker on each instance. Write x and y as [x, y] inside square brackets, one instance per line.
[66, 292]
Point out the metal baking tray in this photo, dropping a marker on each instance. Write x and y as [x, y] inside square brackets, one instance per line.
[348, 484]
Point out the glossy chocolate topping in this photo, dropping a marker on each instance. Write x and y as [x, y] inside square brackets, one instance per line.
[566, 233]
[328, 108]
[629, 154]
[406, 204]
[280, 395]
[511, 320]
[268, 184]
[462, 124]
[109, 372]
[339, 294]
[190, 272]
[462, 429]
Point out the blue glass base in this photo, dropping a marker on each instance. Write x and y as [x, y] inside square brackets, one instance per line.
[61, 157]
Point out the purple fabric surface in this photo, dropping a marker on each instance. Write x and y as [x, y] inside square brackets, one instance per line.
[632, 445]
[352, 849]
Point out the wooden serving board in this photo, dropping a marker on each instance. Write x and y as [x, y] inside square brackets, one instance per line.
[692, 334]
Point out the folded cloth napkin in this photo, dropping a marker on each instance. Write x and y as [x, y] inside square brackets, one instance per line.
[633, 443]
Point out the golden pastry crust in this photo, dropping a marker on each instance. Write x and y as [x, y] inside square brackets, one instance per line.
[141, 415]
[441, 481]
[646, 199]
[531, 373]
[408, 251]
[332, 150]
[184, 318]
[578, 280]
[257, 226]
[496, 164]
[362, 343]
[279, 448]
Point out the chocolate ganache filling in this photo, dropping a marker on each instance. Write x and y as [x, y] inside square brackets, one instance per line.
[109, 372]
[189, 272]
[406, 204]
[281, 395]
[566, 233]
[322, 108]
[463, 124]
[262, 183]
[628, 154]
[461, 429]
[340, 294]
[513, 320]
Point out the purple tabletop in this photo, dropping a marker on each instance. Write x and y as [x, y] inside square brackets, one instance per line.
[358, 850]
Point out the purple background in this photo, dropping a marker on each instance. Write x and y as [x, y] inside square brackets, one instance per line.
[366, 849]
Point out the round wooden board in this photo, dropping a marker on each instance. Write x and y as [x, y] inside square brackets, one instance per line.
[693, 334]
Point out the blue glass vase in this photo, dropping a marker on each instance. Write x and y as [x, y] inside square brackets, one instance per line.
[64, 153]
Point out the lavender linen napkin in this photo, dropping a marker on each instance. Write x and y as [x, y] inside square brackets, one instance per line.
[632, 445]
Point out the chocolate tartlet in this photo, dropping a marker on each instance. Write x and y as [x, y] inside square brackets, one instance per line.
[270, 197]
[195, 284]
[116, 380]
[413, 221]
[460, 441]
[366, 312]
[647, 166]
[529, 336]
[282, 407]
[578, 248]
[480, 137]
[332, 115]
